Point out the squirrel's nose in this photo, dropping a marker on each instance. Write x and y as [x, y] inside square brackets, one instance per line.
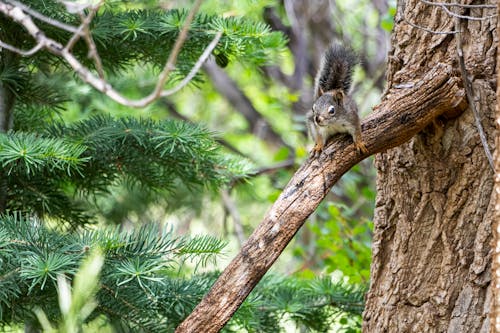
[317, 119]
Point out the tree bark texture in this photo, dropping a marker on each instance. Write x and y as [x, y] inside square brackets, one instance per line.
[495, 306]
[435, 206]
[404, 113]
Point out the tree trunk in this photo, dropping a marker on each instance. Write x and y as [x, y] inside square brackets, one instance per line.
[434, 210]
[495, 306]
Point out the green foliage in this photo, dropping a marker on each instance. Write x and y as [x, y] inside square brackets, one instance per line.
[125, 37]
[27, 154]
[344, 244]
[317, 305]
[139, 287]
[387, 22]
[148, 152]
[76, 305]
[134, 272]
[91, 156]
[173, 155]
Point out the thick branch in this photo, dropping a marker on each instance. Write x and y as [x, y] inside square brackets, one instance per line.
[402, 114]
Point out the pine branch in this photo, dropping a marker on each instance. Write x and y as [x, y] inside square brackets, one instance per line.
[152, 153]
[44, 172]
[27, 154]
[232, 28]
[33, 257]
[140, 287]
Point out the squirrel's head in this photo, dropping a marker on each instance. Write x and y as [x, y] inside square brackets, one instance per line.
[328, 106]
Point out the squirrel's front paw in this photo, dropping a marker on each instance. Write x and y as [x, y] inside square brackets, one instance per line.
[316, 151]
[361, 147]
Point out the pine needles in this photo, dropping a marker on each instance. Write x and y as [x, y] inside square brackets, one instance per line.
[91, 156]
[140, 287]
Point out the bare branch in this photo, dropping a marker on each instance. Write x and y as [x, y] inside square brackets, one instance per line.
[83, 30]
[43, 18]
[470, 94]
[452, 14]
[427, 29]
[83, 26]
[24, 53]
[196, 66]
[101, 85]
[287, 164]
[90, 41]
[172, 58]
[445, 6]
[455, 4]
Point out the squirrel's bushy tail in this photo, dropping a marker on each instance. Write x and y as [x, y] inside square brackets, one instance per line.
[336, 69]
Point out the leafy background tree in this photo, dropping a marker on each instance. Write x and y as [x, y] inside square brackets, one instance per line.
[75, 163]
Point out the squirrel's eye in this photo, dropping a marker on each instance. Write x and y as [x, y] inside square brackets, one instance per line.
[331, 109]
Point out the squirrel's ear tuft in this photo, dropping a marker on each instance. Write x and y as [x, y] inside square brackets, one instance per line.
[338, 96]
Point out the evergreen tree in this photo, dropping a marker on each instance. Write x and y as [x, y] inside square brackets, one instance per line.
[53, 172]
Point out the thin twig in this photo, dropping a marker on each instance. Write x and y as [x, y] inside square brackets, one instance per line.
[427, 29]
[43, 18]
[470, 94]
[449, 12]
[172, 58]
[273, 168]
[80, 31]
[455, 4]
[90, 41]
[24, 53]
[445, 6]
[204, 56]
[466, 17]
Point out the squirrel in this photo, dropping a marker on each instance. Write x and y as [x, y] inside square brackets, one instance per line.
[334, 111]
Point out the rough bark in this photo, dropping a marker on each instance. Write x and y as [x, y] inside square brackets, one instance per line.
[403, 114]
[434, 209]
[495, 306]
